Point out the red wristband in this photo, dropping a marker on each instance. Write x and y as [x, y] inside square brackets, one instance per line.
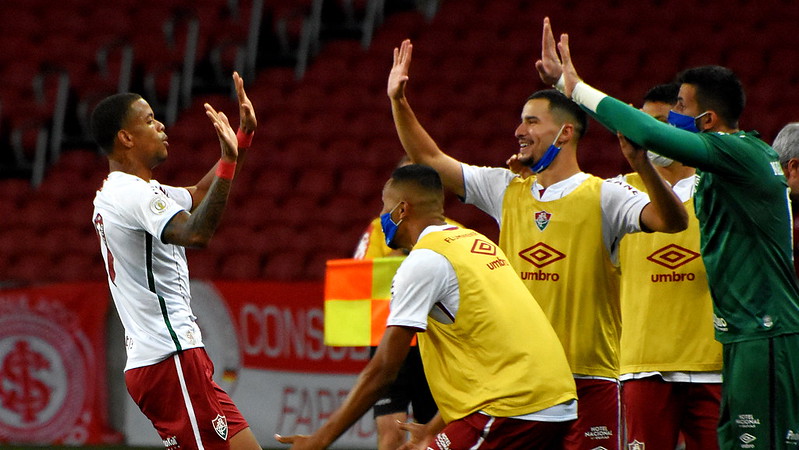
[245, 139]
[226, 169]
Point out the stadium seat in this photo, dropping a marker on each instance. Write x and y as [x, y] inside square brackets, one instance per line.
[285, 266]
[240, 266]
[327, 143]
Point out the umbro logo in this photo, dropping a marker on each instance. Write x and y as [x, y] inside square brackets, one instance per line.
[482, 247]
[541, 255]
[672, 256]
[747, 438]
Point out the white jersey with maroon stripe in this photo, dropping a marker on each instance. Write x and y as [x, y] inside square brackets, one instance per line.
[148, 279]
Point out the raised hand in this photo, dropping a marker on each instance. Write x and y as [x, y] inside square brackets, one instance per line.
[398, 77]
[549, 66]
[247, 121]
[634, 154]
[570, 77]
[227, 137]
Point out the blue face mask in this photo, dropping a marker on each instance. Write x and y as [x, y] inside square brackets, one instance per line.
[549, 155]
[684, 122]
[390, 228]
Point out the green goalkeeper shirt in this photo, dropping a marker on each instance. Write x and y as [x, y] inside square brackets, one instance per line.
[742, 204]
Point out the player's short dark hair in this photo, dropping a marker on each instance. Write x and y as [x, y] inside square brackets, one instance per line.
[717, 89]
[663, 93]
[108, 117]
[420, 176]
[565, 109]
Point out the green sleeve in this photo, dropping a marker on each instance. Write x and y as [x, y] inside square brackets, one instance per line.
[637, 126]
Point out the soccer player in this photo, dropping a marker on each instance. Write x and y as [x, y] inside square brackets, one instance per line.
[496, 369]
[560, 230]
[742, 204]
[670, 362]
[143, 228]
[410, 388]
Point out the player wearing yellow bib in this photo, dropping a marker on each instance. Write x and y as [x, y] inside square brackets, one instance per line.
[560, 230]
[497, 370]
[670, 362]
[411, 387]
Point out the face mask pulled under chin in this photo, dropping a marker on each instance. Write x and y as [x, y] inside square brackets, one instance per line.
[549, 155]
[658, 160]
[390, 228]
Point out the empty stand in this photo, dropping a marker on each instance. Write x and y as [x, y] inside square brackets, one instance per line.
[326, 143]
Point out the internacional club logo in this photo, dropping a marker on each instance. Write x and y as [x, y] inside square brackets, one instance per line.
[43, 388]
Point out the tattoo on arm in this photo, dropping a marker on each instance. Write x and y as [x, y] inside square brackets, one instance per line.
[197, 229]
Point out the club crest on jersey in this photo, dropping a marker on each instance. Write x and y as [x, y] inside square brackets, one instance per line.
[635, 445]
[220, 426]
[542, 219]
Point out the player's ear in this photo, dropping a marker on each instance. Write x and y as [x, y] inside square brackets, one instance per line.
[125, 138]
[792, 168]
[566, 135]
[708, 121]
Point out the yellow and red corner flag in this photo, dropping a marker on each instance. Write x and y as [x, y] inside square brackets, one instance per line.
[357, 295]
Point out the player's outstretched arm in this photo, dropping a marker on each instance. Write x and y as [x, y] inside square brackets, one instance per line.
[373, 380]
[197, 229]
[418, 144]
[639, 127]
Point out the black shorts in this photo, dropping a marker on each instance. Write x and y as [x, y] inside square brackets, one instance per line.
[410, 388]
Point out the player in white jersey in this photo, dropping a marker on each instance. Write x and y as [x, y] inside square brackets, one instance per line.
[143, 228]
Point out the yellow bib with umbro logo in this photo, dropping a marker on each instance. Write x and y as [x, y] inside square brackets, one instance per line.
[666, 305]
[500, 355]
[557, 250]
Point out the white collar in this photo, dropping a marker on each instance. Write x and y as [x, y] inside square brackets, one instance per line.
[560, 189]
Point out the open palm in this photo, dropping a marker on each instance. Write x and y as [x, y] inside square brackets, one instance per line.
[398, 77]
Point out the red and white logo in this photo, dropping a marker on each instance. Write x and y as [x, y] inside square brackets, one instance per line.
[220, 426]
[43, 373]
[635, 445]
[672, 256]
[541, 219]
[484, 247]
[541, 255]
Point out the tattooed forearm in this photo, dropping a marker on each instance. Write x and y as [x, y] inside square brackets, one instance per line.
[208, 214]
[197, 229]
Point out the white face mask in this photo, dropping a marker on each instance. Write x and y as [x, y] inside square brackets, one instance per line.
[658, 160]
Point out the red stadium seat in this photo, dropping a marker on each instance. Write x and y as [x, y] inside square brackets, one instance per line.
[240, 266]
[285, 266]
